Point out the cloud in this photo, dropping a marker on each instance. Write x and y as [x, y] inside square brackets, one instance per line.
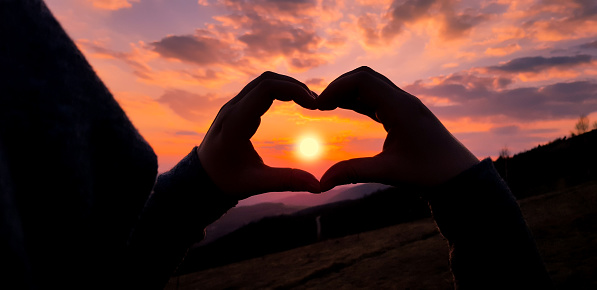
[459, 87]
[454, 22]
[292, 8]
[478, 100]
[404, 12]
[485, 144]
[505, 130]
[134, 58]
[367, 23]
[140, 59]
[459, 24]
[537, 63]
[255, 34]
[335, 38]
[282, 145]
[495, 92]
[589, 45]
[554, 20]
[356, 145]
[274, 37]
[187, 133]
[112, 4]
[502, 50]
[190, 106]
[316, 84]
[203, 48]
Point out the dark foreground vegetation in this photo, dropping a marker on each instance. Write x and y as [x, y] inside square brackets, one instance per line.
[560, 175]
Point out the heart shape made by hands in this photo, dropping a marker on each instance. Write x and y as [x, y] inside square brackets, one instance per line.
[418, 148]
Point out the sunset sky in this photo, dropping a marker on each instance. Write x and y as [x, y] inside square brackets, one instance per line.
[496, 73]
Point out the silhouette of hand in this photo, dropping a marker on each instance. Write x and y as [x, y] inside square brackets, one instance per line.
[227, 153]
[418, 148]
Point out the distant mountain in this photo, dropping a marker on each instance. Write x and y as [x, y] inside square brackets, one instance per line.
[356, 192]
[243, 215]
[240, 216]
[382, 208]
[340, 193]
[309, 199]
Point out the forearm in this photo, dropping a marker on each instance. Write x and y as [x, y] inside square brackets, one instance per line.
[490, 243]
[183, 203]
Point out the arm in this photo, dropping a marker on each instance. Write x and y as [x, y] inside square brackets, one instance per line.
[184, 201]
[490, 244]
[210, 180]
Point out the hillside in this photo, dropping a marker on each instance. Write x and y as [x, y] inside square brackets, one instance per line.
[243, 215]
[413, 255]
[560, 164]
[278, 233]
[340, 193]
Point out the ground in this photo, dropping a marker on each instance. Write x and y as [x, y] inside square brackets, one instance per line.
[415, 256]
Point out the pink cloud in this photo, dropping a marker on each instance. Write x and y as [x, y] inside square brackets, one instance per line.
[203, 48]
[190, 106]
[481, 101]
[502, 50]
[112, 4]
[453, 21]
[252, 37]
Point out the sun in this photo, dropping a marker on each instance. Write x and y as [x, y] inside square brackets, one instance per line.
[309, 147]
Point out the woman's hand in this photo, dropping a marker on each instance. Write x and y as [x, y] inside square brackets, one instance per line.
[418, 148]
[227, 153]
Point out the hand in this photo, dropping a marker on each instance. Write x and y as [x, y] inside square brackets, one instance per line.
[418, 148]
[228, 155]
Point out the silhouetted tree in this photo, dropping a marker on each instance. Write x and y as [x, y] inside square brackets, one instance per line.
[582, 126]
[505, 152]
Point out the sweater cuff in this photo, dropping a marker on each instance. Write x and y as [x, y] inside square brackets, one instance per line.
[191, 194]
[477, 197]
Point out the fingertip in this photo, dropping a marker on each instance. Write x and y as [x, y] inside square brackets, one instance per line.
[306, 99]
[357, 170]
[333, 177]
[324, 103]
[305, 181]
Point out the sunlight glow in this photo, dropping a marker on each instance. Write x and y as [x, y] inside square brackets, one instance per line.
[309, 147]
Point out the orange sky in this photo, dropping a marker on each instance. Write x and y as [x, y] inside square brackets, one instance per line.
[497, 73]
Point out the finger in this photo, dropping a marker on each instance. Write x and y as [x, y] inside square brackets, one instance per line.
[370, 93]
[271, 179]
[261, 97]
[358, 170]
[247, 112]
[372, 72]
[359, 91]
[268, 75]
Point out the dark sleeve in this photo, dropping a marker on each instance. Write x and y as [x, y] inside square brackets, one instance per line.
[184, 201]
[491, 246]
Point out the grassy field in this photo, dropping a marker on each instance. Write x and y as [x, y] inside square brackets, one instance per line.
[414, 255]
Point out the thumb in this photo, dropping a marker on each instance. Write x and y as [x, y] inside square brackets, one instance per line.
[288, 179]
[358, 170]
